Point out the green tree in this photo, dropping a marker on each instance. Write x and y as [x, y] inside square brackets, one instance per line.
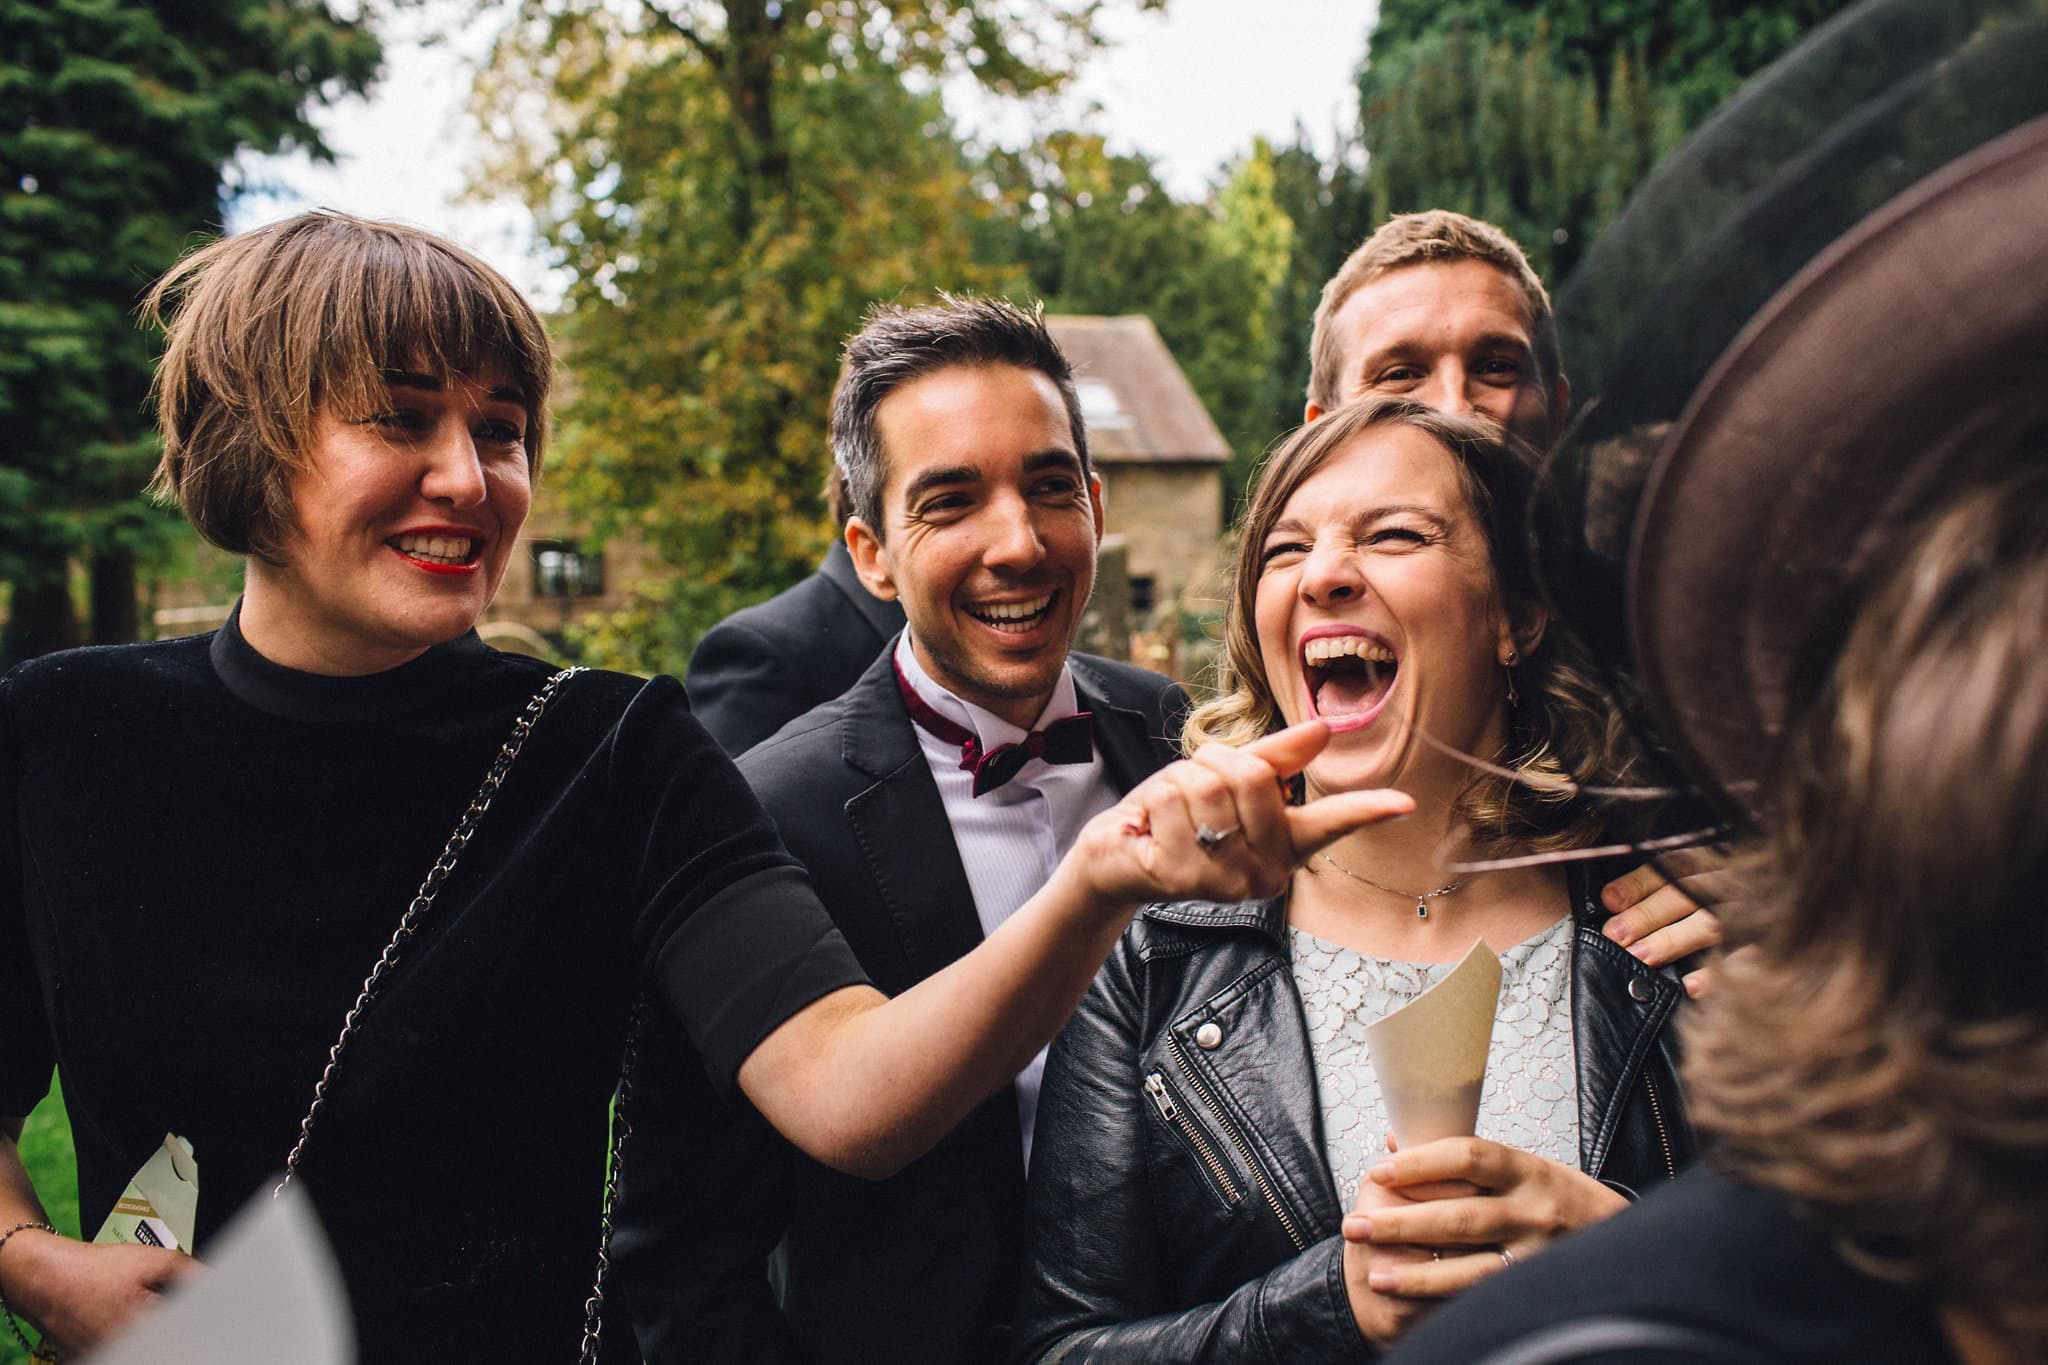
[726, 186]
[1504, 131]
[1544, 115]
[1325, 201]
[1694, 51]
[116, 118]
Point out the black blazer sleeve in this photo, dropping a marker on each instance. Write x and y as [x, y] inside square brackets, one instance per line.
[744, 687]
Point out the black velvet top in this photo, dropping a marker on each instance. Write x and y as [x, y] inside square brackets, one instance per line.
[203, 853]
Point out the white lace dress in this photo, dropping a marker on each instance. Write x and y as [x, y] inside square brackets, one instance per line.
[1531, 1100]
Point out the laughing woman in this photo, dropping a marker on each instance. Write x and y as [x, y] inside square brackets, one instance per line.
[1210, 1115]
[206, 843]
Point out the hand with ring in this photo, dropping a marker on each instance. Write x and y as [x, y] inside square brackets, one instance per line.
[1217, 826]
[1383, 1318]
[1484, 1205]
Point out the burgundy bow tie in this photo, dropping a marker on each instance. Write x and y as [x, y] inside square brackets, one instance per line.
[1064, 741]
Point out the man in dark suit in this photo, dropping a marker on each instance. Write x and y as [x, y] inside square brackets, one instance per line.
[928, 802]
[765, 665]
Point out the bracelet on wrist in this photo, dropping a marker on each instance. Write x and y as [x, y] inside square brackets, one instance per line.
[13, 1323]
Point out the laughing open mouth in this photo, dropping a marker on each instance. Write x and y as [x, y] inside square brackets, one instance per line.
[1349, 676]
[445, 551]
[1014, 618]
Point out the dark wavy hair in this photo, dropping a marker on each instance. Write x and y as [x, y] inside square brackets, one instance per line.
[1878, 1049]
[1564, 726]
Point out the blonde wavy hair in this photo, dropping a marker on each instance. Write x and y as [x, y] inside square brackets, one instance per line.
[1564, 726]
[1879, 1050]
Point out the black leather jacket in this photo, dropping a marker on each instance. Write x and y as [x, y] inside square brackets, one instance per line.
[1182, 1207]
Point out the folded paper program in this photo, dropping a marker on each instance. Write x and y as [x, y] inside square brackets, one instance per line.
[271, 1293]
[1430, 1054]
[161, 1204]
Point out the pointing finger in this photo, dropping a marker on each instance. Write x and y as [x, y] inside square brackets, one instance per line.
[1324, 821]
[1288, 751]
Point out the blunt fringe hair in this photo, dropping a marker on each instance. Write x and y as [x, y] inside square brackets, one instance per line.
[1879, 1051]
[1563, 726]
[1437, 235]
[897, 345]
[267, 326]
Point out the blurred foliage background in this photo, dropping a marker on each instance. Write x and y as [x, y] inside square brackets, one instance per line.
[117, 120]
[729, 184]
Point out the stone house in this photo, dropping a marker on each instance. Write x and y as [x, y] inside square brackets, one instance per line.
[1161, 459]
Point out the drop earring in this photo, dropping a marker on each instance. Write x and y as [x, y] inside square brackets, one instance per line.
[1508, 664]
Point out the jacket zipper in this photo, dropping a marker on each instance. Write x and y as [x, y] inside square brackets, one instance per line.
[1176, 1117]
[1243, 1149]
[1657, 1113]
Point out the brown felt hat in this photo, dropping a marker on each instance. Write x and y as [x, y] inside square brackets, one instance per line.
[1908, 360]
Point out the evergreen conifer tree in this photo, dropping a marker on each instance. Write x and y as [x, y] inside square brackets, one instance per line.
[116, 120]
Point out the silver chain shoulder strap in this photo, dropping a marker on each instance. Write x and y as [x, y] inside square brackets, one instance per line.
[622, 1128]
[408, 925]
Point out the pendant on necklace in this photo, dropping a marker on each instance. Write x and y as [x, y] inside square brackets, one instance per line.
[1421, 908]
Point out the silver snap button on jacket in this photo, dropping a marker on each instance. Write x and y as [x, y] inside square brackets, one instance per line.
[1640, 990]
[1209, 1037]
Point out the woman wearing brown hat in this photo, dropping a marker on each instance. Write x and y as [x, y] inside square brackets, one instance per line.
[206, 844]
[1210, 1115]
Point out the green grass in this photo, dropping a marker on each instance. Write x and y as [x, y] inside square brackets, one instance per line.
[46, 1150]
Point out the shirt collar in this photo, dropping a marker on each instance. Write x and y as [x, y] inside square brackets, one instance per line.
[990, 729]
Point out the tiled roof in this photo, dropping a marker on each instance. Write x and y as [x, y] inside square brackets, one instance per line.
[1139, 407]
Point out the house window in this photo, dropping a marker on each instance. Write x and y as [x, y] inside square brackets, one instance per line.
[1141, 596]
[562, 570]
[1100, 407]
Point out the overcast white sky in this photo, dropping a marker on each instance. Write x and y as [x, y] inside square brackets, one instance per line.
[1191, 87]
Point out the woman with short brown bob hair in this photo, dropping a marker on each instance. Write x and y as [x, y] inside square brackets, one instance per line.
[246, 370]
[1210, 1136]
[206, 843]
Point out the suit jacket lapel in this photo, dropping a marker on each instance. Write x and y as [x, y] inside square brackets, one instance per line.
[901, 827]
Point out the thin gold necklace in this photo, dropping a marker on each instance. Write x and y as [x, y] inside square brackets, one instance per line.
[1421, 898]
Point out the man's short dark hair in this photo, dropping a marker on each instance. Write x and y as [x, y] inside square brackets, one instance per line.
[898, 345]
